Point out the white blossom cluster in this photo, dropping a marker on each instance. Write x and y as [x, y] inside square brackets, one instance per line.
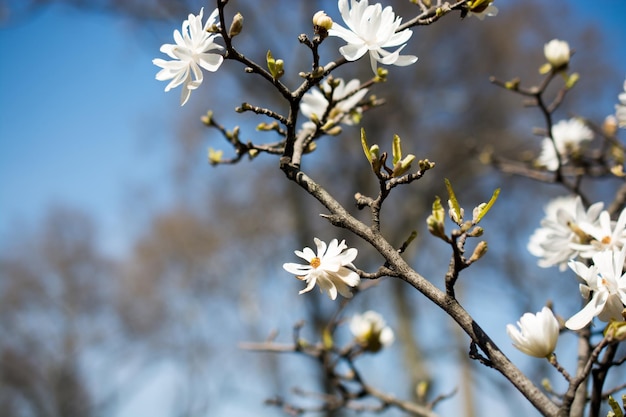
[594, 247]
[370, 29]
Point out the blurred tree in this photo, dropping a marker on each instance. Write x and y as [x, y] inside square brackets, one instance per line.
[56, 290]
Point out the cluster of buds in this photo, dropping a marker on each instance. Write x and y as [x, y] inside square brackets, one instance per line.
[470, 228]
[400, 165]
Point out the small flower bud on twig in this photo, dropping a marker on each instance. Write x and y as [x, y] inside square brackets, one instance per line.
[322, 24]
[479, 251]
[236, 25]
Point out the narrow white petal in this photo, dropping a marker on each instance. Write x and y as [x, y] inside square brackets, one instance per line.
[297, 269]
[210, 62]
[405, 60]
[352, 52]
[582, 318]
[310, 284]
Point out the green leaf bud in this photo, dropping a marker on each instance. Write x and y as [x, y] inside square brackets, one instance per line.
[403, 166]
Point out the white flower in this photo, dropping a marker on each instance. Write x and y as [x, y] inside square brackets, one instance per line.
[371, 331]
[190, 53]
[327, 268]
[602, 235]
[537, 334]
[620, 109]
[560, 229]
[557, 53]
[370, 29]
[344, 98]
[569, 135]
[606, 285]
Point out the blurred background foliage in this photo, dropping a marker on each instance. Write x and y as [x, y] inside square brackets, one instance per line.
[84, 332]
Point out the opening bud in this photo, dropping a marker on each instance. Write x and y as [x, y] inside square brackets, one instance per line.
[557, 54]
[322, 23]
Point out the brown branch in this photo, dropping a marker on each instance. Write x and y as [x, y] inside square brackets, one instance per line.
[341, 218]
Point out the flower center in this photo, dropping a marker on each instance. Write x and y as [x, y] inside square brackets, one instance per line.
[315, 262]
[606, 240]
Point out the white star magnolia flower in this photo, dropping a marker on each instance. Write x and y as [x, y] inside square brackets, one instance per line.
[370, 29]
[344, 99]
[537, 334]
[559, 230]
[190, 53]
[606, 284]
[620, 109]
[602, 235]
[569, 136]
[371, 331]
[557, 53]
[328, 268]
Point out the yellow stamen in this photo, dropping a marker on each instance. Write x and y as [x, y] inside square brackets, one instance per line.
[606, 240]
[316, 262]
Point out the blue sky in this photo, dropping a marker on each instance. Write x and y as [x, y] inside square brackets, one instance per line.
[77, 104]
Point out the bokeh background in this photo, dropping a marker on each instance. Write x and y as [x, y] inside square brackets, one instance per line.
[131, 270]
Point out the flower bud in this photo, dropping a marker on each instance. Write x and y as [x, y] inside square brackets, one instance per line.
[236, 25]
[476, 232]
[318, 72]
[215, 157]
[322, 22]
[479, 251]
[557, 53]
